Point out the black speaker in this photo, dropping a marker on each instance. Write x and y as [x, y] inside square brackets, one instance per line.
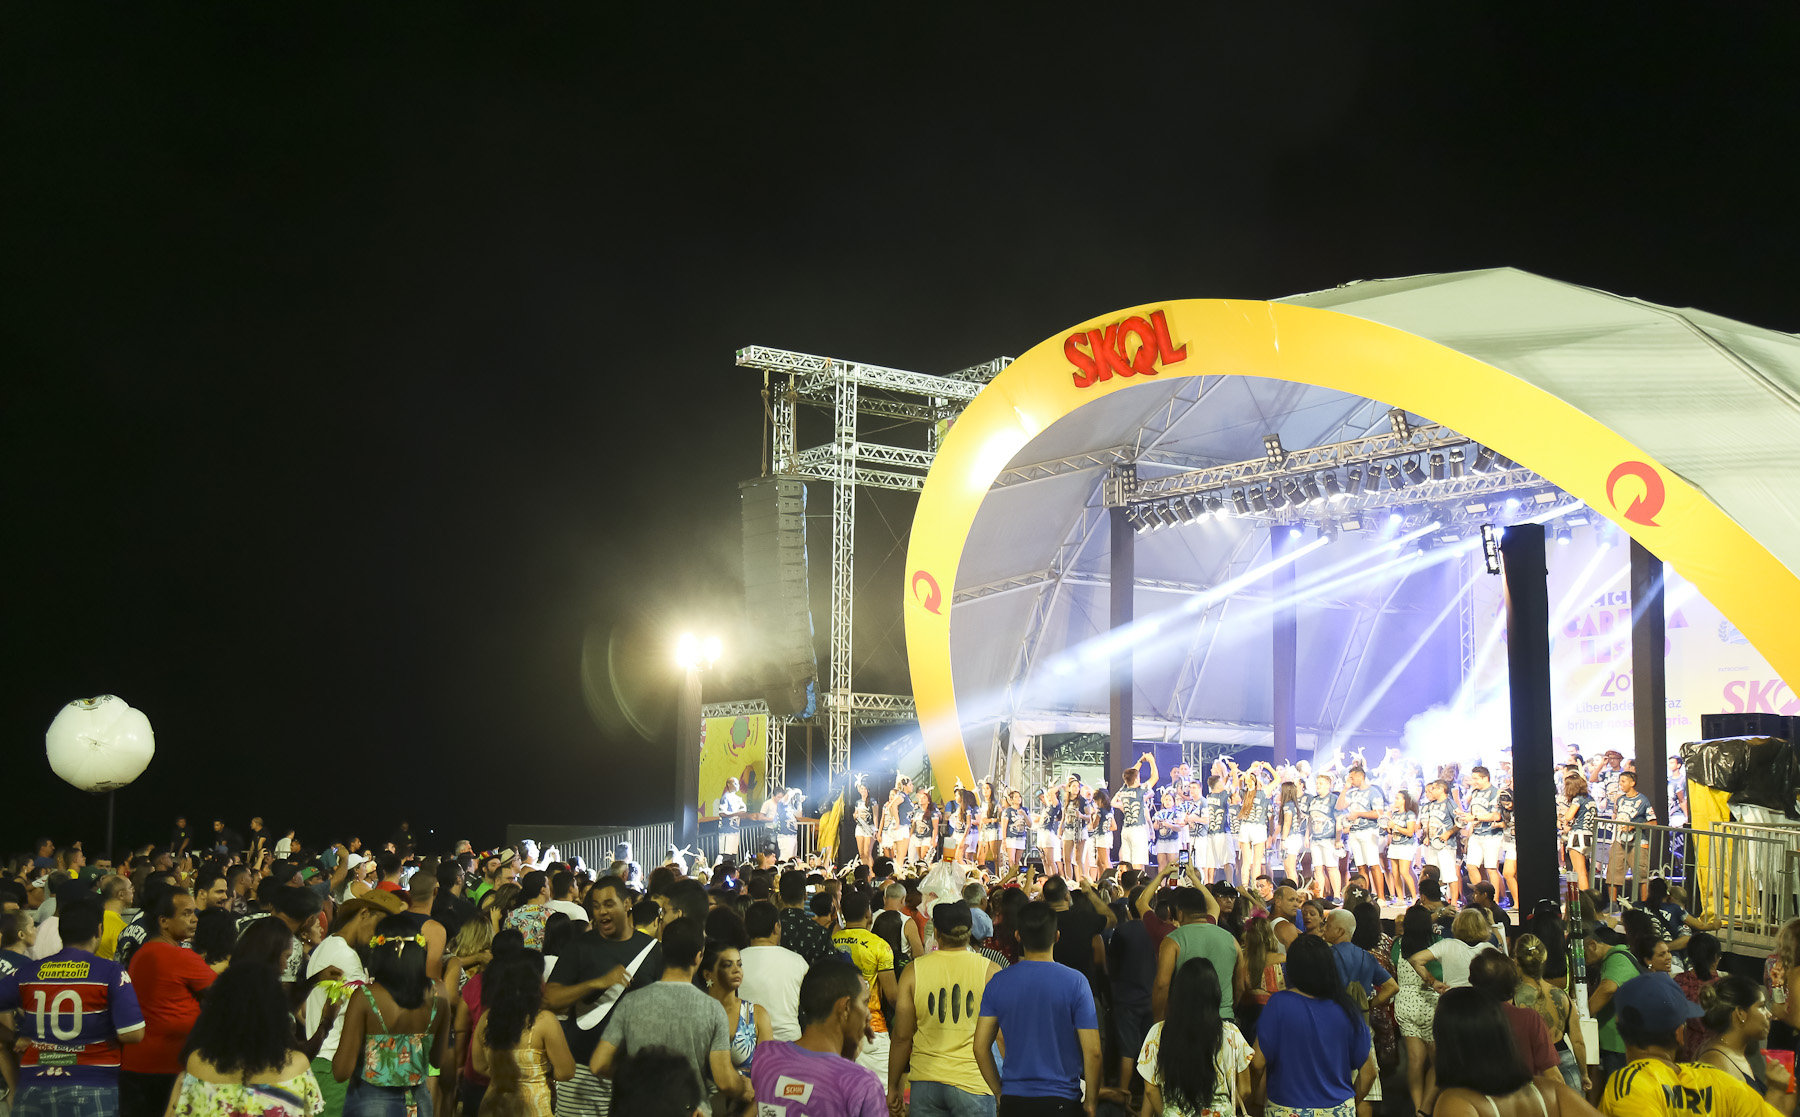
[1779, 726]
[777, 596]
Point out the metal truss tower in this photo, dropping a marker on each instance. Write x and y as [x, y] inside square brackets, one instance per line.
[850, 389]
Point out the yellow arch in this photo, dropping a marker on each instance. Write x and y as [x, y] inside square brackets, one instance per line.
[1328, 349]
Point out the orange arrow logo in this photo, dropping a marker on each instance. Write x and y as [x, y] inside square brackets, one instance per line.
[1643, 509]
[932, 597]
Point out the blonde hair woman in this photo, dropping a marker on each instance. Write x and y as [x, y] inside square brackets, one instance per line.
[1554, 1005]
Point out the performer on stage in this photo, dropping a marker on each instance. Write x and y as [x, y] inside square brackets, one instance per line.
[863, 812]
[1018, 829]
[1403, 845]
[731, 812]
[1578, 823]
[1322, 837]
[1135, 807]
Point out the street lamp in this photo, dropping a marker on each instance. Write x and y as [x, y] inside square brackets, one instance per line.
[692, 655]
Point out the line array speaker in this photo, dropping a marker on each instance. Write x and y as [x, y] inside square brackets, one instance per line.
[777, 594]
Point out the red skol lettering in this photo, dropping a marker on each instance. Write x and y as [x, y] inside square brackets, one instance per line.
[1134, 347]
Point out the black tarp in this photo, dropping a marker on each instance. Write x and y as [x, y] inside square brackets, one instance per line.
[1759, 771]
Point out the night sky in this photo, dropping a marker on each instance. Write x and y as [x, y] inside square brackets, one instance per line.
[366, 364]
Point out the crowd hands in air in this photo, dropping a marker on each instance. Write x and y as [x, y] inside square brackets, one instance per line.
[222, 975]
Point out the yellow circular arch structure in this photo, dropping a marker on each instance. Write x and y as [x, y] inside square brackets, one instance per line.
[1309, 345]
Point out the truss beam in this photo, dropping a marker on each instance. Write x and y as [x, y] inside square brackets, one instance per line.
[1150, 585]
[1293, 463]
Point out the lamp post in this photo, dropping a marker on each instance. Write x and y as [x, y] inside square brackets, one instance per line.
[692, 656]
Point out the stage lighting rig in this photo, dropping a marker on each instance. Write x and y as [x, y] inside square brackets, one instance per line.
[1484, 460]
[1332, 488]
[1394, 478]
[1564, 536]
[1272, 449]
[1239, 503]
[1490, 547]
[1398, 422]
[1310, 486]
[1412, 471]
[1258, 502]
[1214, 506]
[1437, 467]
[1456, 463]
[1356, 481]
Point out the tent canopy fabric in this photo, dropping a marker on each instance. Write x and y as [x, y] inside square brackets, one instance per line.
[1716, 401]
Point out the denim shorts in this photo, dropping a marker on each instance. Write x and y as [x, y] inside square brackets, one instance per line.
[940, 1099]
[65, 1101]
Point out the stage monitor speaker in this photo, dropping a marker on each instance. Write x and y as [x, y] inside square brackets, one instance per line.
[778, 596]
[1779, 726]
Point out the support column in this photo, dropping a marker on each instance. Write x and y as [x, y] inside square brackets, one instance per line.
[689, 737]
[1123, 575]
[1649, 681]
[1528, 662]
[1286, 644]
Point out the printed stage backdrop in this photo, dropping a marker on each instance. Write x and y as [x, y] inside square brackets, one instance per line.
[1711, 666]
[736, 746]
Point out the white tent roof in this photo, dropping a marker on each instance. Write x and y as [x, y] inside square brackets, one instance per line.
[1714, 400]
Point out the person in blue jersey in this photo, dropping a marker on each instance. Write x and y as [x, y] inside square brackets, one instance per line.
[1403, 845]
[1437, 829]
[1167, 827]
[1048, 820]
[1017, 822]
[1103, 831]
[1074, 827]
[1362, 803]
[1193, 813]
[1135, 807]
[1322, 837]
[1290, 826]
[924, 828]
[1221, 820]
[1488, 832]
[1578, 820]
[1631, 845]
[862, 811]
[1253, 820]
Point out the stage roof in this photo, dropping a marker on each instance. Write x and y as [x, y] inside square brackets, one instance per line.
[1716, 401]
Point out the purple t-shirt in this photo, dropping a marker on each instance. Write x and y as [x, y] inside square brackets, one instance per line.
[794, 1082]
[72, 1007]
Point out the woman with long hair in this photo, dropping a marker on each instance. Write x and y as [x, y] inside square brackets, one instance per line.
[1479, 1070]
[1737, 1023]
[1554, 1006]
[1403, 845]
[1312, 1042]
[863, 810]
[1048, 817]
[468, 1083]
[893, 829]
[394, 1030]
[1101, 829]
[723, 970]
[241, 1056]
[1292, 827]
[1194, 1063]
[1168, 825]
[1253, 822]
[1417, 1002]
[987, 811]
[518, 1045]
[1263, 961]
[924, 828]
[1578, 819]
[1016, 825]
[469, 951]
[1702, 972]
[1074, 828]
[527, 911]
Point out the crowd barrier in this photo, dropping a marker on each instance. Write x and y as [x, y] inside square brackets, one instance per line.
[1748, 874]
[650, 844]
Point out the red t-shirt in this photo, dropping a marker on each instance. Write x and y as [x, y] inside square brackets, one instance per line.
[169, 981]
[1533, 1038]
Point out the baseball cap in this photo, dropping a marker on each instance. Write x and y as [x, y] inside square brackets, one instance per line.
[1658, 1003]
[1614, 754]
[951, 918]
[981, 924]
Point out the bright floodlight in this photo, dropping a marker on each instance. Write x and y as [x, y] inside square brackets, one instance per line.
[711, 650]
[691, 652]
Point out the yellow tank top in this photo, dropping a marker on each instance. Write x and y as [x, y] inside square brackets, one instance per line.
[947, 987]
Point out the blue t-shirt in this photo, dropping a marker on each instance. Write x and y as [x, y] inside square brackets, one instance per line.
[1040, 1007]
[1018, 822]
[1400, 821]
[1255, 811]
[1485, 801]
[1314, 1048]
[1130, 800]
[729, 803]
[1368, 797]
[72, 1007]
[11, 962]
[1632, 808]
[1437, 822]
[1218, 812]
[1321, 818]
[1586, 814]
[1356, 964]
[1195, 812]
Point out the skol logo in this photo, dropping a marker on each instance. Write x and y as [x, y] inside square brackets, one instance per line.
[925, 588]
[1644, 508]
[1112, 350]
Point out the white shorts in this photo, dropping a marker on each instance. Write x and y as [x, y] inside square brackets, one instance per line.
[1582, 840]
[1219, 847]
[728, 841]
[785, 844]
[874, 1054]
[1252, 834]
[1365, 846]
[1134, 845]
[894, 835]
[1015, 843]
[1324, 854]
[1170, 846]
[1484, 850]
[864, 830]
[1293, 845]
[923, 847]
[1509, 852]
[1445, 860]
[990, 833]
[1403, 852]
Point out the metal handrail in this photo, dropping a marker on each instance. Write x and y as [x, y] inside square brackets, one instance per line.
[1747, 874]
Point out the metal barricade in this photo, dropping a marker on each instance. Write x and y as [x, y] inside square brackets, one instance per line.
[650, 844]
[1746, 874]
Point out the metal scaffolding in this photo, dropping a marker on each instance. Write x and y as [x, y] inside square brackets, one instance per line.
[850, 389]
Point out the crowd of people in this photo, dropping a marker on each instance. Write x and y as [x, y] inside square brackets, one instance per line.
[227, 973]
[1317, 825]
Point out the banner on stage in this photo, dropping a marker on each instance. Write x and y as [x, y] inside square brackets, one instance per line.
[734, 747]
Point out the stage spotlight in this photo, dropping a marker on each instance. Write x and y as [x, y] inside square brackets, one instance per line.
[1356, 481]
[1456, 462]
[1351, 525]
[1169, 519]
[1294, 532]
[1272, 448]
[1512, 504]
[1238, 503]
[1578, 519]
[1550, 497]
[1258, 502]
[1294, 492]
[1474, 509]
[1490, 547]
[1394, 478]
[1214, 506]
[1397, 422]
[1191, 509]
[1437, 467]
[1564, 536]
[1134, 515]
[1396, 518]
[1412, 471]
[1310, 486]
[1484, 460]
[1328, 531]
[1332, 487]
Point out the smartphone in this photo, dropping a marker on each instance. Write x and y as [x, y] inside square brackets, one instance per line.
[1183, 858]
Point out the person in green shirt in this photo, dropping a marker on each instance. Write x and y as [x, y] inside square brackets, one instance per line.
[1198, 937]
[1611, 965]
